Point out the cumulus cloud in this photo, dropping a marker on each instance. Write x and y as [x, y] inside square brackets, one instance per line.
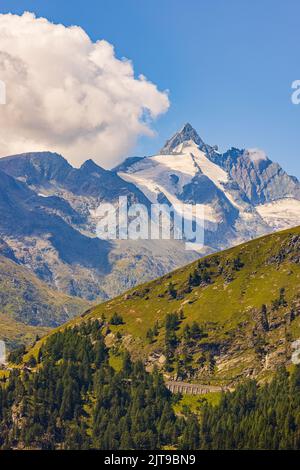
[70, 95]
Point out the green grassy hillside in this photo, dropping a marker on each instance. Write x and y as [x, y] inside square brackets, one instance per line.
[235, 335]
[28, 307]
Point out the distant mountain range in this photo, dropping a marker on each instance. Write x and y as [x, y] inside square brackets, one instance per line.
[47, 208]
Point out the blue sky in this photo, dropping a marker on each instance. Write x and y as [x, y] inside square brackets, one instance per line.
[228, 65]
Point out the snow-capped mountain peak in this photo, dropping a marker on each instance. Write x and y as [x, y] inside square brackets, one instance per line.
[234, 188]
[187, 134]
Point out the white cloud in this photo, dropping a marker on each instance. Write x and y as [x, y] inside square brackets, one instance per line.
[66, 94]
[256, 155]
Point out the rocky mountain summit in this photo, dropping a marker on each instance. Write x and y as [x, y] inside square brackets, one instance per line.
[186, 134]
[242, 192]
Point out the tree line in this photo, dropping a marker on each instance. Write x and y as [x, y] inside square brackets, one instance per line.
[69, 397]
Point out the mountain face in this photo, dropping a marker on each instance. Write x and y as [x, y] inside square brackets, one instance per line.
[262, 180]
[28, 307]
[48, 225]
[39, 232]
[243, 193]
[48, 220]
[84, 188]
